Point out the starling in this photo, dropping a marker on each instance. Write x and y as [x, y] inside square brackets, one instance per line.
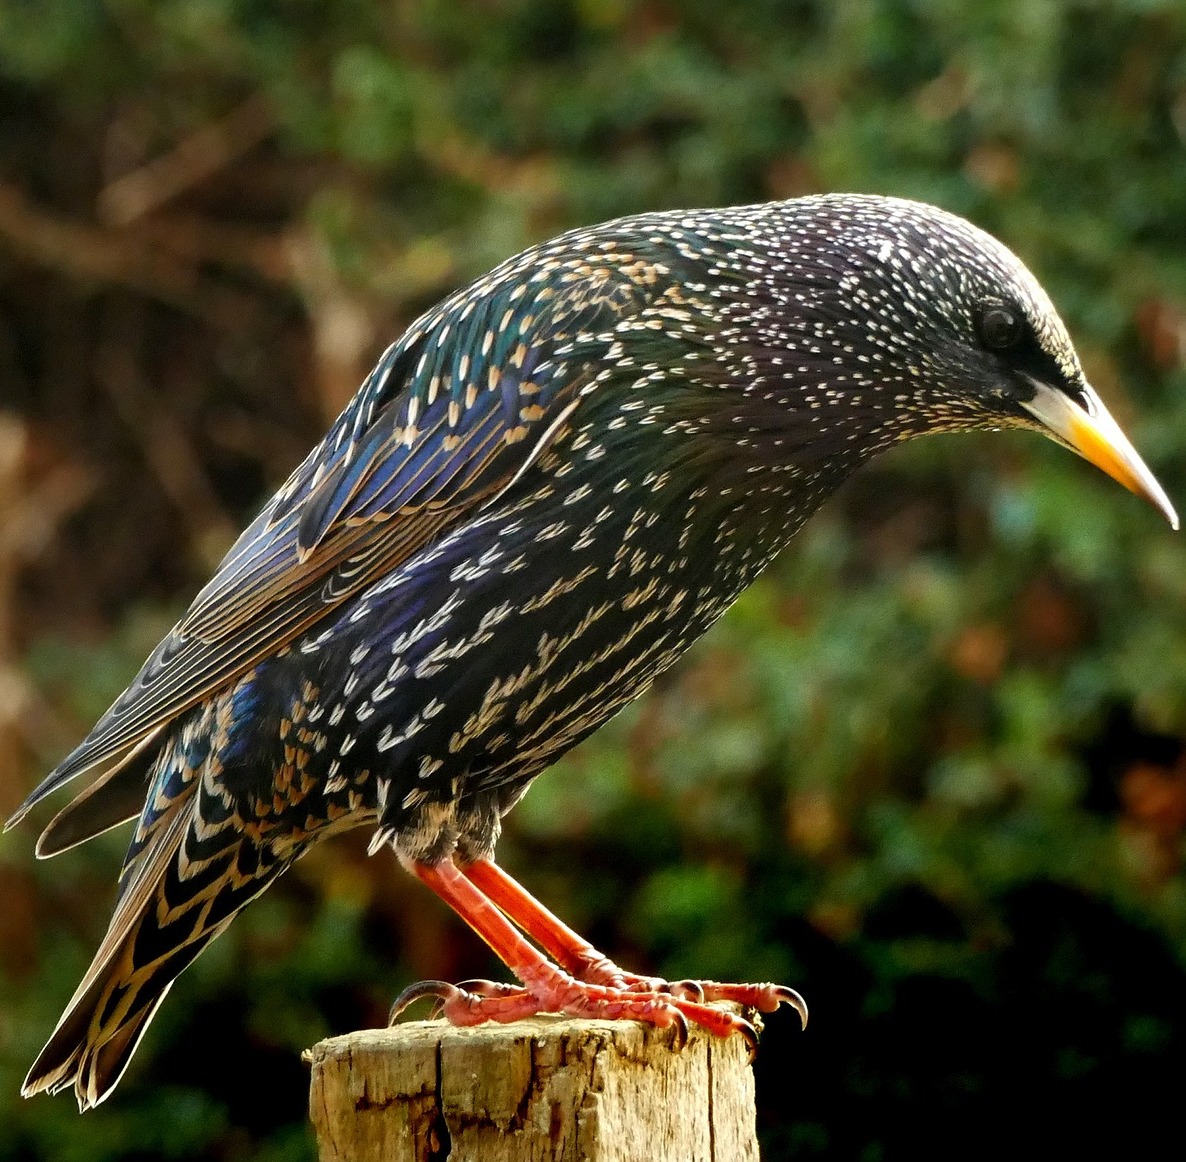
[546, 490]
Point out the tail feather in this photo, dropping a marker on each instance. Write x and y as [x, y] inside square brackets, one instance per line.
[121, 992]
[179, 892]
[193, 863]
[116, 999]
[99, 1071]
[91, 1060]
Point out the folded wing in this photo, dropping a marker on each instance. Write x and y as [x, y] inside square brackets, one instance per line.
[451, 416]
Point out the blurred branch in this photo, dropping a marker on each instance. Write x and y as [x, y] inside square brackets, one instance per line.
[199, 240]
[189, 162]
[533, 179]
[164, 444]
[343, 322]
[88, 253]
[33, 508]
[161, 260]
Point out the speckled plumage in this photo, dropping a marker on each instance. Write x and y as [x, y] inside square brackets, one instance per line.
[551, 485]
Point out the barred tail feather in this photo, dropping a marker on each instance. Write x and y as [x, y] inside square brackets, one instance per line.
[116, 999]
[120, 994]
[91, 1059]
[170, 907]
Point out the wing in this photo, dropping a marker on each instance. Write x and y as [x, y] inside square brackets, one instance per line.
[451, 416]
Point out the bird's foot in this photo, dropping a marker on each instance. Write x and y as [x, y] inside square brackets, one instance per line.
[553, 991]
[581, 982]
[765, 998]
[577, 957]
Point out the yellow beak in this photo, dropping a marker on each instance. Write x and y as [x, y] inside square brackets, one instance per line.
[1091, 431]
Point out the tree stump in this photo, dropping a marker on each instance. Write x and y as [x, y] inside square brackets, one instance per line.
[543, 1090]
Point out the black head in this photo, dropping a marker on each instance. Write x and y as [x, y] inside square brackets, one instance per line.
[916, 321]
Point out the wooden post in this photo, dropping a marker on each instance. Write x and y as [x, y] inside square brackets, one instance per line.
[544, 1090]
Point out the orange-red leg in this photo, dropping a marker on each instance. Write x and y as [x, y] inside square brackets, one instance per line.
[578, 957]
[569, 949]
[585, 984]
[546, 988]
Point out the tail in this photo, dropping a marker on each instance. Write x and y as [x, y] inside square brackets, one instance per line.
[88, 1052]
[181, 892]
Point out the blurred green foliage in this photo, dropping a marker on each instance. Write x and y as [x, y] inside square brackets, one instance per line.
[930, 769]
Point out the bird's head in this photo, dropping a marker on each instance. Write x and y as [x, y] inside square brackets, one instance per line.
[926, 323]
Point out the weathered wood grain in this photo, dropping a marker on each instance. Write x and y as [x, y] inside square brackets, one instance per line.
[545, 1090]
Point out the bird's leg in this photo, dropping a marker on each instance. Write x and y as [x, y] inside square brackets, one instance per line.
[568, 948]
[578, 957]
[546, 987]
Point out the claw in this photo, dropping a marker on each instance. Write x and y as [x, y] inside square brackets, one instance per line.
[750, 1035]
[788, 996]
[441, 991]
[679, 1035]
[578, 980]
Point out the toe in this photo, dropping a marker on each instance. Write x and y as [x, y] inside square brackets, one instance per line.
[687, 990]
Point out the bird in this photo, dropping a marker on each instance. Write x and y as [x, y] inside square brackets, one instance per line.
[547, 489]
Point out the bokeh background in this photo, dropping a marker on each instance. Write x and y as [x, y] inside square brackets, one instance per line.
[930, 769]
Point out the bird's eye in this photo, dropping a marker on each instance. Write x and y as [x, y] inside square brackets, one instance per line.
[1000, 326]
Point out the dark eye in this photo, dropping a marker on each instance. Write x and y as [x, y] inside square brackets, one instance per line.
[1000, 326]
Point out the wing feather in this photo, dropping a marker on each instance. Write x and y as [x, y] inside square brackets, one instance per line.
[451, 416]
